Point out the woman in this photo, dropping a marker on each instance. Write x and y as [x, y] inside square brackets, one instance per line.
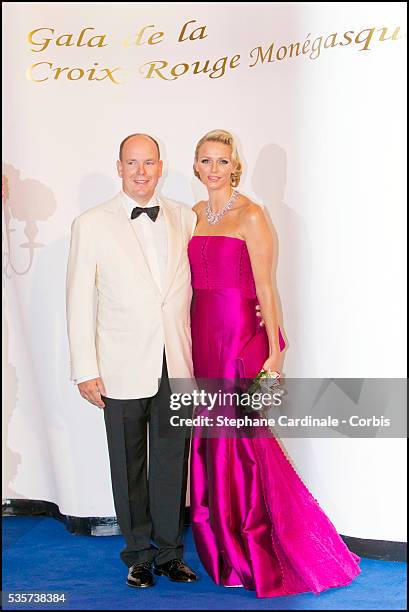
[255, 524]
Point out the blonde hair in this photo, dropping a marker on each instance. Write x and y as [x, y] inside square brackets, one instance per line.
[228, 139]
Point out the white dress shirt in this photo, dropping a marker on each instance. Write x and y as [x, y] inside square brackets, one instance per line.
[153, 237]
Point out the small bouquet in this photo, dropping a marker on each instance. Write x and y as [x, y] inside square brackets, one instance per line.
[266, 383]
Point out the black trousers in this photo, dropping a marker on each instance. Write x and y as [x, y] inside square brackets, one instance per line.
[149, 501]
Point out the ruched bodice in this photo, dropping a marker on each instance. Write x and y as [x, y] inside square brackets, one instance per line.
[223, 312]
[221, 262]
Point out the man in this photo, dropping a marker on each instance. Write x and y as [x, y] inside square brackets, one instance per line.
[133, 251]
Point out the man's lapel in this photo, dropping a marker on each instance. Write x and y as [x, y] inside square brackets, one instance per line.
[128, 239]
[174, 228]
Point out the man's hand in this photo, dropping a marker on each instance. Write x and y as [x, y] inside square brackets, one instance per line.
[258, 314]
[91, 390]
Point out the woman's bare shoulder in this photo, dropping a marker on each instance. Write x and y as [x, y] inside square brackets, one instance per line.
[199, 206]
[250, 211]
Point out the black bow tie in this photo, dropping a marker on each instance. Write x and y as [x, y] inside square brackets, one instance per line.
[152, 211]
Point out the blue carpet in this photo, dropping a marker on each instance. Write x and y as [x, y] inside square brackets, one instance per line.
[40, 555]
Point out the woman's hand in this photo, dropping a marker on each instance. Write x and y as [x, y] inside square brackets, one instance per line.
[273, 363]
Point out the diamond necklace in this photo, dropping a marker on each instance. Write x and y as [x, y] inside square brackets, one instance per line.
[214, 218]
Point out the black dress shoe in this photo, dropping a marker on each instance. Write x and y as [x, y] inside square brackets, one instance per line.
[176, 570]
[140, 575]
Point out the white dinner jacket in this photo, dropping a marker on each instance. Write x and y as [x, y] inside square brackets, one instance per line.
[118, 319]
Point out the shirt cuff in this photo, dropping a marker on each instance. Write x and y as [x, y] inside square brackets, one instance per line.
[85, 378]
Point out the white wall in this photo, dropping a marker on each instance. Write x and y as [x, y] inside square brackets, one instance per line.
[323, 145]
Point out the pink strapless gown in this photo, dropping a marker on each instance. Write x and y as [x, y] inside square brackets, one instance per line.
[254, 521]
